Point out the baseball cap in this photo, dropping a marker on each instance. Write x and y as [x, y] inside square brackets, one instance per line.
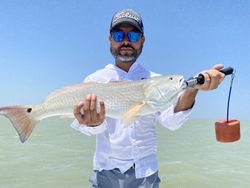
[127, 16]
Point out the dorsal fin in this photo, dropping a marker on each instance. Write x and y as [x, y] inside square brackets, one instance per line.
[66, 89]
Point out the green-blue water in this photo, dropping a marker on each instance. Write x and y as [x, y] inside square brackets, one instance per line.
[58, 156]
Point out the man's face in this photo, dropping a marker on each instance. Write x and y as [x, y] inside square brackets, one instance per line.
[126, 51]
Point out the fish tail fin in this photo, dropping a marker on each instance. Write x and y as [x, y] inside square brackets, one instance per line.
[22, 119]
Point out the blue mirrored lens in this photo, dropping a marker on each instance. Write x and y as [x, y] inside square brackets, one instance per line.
[118, 36]
[133, 36]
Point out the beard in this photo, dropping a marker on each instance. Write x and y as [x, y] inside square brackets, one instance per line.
[126, 58]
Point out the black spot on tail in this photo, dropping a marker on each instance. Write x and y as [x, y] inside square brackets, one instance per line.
[29, 110]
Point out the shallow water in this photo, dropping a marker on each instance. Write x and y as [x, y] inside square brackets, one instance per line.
[58, 156]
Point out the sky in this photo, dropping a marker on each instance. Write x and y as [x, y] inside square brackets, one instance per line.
[48, 44]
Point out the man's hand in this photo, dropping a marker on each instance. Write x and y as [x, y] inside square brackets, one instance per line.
[213, 78]
[86, 111]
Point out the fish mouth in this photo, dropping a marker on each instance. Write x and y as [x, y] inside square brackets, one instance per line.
[181, 80]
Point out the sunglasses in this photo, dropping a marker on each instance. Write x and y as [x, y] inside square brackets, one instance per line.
[119, 35]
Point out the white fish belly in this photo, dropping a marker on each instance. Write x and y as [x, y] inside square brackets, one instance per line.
[118, 98]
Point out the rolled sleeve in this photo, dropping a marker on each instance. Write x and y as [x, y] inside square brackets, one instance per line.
[90, 131]
[174, 120]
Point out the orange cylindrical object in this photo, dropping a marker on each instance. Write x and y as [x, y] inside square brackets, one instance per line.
[227, 131]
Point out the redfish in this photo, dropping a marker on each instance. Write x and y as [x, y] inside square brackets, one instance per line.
[125, 100]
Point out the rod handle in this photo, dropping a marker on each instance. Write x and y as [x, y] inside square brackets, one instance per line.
[227, 71]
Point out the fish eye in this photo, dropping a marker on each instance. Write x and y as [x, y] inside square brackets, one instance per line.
[29, 110]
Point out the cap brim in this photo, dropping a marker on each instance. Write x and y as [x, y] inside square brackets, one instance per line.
[126, 21]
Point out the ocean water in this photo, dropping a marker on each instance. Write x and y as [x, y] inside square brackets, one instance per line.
[58, 156]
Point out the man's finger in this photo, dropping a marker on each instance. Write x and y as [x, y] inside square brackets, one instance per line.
[92, 105]
[218, 66]
[87, 102]
[102, 111]
[86, 109]
[216, 78]
[93, 112]
[77, 111]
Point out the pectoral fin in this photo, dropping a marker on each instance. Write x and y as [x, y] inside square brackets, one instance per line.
[132, 114]
[67, 116]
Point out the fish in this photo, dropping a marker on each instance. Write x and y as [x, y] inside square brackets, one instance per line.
[127, 100]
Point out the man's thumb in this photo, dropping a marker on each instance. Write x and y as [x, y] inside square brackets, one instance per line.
[218, 66]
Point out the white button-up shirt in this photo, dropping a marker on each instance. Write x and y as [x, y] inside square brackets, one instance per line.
[118, 147]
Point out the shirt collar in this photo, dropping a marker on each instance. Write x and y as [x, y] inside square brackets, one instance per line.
[132, 69]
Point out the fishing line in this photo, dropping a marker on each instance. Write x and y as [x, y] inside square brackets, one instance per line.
[229, 95]
[228, 130]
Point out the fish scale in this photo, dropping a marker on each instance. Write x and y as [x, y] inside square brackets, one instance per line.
[125, 100]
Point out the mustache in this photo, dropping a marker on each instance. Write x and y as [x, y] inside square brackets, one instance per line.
[126, 46]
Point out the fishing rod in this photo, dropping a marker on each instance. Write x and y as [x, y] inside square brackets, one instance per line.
[226, 130]
[200, 79]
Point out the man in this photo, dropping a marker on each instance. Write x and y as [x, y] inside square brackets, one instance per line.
[126, 157]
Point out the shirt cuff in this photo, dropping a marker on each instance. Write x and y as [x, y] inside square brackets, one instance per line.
[90, 131]
[174, 120]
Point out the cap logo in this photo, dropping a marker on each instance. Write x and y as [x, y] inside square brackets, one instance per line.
[126, 15]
